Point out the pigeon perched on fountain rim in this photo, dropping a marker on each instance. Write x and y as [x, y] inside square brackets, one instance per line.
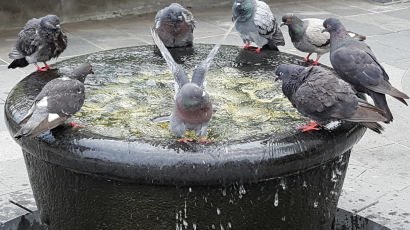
[355, 63]
[306, 35]
[321, 95]
[256, 23]
[39, 41]
[175, 25]
[59, 99]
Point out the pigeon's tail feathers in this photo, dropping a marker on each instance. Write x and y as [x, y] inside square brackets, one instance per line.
[376, 127]
[277, 38]
[356, 36]
[15, 54]
[401, 100]
[39, 123]
[18, 63]
[380, 102]
[384, 87]
[367, 113]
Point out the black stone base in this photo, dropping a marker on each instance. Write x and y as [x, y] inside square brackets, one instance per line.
[69, 200]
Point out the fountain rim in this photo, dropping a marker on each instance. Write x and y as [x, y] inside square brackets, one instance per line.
[197, 164]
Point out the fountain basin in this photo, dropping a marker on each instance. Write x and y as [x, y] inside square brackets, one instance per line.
[123, 171]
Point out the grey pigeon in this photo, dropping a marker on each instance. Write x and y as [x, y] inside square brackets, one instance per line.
[256, 23]
[355, 62]
[175, 26]
[320, 94]
[307, 36]
[193, 107]
[39, 41]
[59, 99]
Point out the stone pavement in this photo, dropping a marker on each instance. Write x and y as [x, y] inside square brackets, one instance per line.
[377, 184]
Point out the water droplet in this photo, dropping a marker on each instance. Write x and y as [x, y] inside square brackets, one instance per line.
[222, 227]
[185, 223]
[190, 189]
[276, 203]
[284, 218]
[229, 225]
[213, 226]
[242, 191]
[304, 184]
[283, 183]
[315, 204]
[194, 226]
[218, 211]
[223, 192]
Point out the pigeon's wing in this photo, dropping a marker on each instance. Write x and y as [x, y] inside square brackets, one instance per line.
[28, 40]
[180, 76]
[189, 18]
[323, 95]
[200, 72]
[313, 32]
[264, 19]
[360, 66]
[68, 99]
[53, 107]
[158, 19]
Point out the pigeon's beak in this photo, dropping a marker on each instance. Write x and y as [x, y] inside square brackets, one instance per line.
[180, 18]
[58, 25]
[324, 30]
[238, 4]
[277, 79]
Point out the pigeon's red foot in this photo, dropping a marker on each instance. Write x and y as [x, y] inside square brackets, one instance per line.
[312, 125]
[72, 124]
[314, 63]
[306, 59]
[258, 50]
[41, 69]
[247, 46]
[205, 141]
[46, 66]
[185, 140]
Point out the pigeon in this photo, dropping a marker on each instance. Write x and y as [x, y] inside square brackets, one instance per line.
[320, 94]
[59, 99]
[193, 106]
[307, 36]
[175, 26]
[355, 62]
[256, 23]
[39, 41]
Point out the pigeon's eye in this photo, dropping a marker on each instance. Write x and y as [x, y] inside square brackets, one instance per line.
[281, 74]
[329, 26]
[288, 20]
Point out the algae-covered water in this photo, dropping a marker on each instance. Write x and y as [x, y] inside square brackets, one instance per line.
[133, 86]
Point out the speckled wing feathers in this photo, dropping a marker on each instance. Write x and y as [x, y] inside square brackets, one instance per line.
[314, 33]
[264, 19]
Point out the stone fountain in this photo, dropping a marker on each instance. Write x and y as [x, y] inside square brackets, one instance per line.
[124, 170]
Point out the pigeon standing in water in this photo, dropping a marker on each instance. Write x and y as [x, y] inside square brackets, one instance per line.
[193, 107]
[175, 26]
[39, 41]
[255, 23]
[319, 94]
[59, 99]
[355, 62]
[307, 36]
